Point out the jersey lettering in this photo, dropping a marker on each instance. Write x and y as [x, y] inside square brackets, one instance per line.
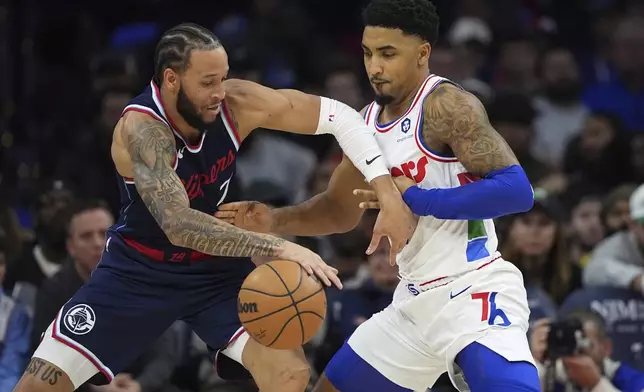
[416, 170]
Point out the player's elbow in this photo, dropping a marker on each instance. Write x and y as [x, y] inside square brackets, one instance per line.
[524, 192]
[515, 187]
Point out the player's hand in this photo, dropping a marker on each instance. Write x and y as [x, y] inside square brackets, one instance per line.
[396, 222]
[247, 215]
[539, 339]
[312, 263]
[370, 198]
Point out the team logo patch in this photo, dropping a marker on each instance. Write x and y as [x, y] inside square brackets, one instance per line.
[406, 125]
[80, 319]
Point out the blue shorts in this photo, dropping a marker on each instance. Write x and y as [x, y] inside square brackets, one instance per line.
[131, 299]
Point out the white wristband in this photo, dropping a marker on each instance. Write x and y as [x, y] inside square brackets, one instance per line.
[354, 136]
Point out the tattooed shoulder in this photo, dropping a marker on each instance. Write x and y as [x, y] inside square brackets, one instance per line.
[152, 151]
[458, 119]
[149, 139]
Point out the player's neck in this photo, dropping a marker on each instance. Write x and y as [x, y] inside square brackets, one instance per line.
[400, 106]
[189, 133]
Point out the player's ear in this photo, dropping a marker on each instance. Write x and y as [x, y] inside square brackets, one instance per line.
[171, 79]
[424, 51]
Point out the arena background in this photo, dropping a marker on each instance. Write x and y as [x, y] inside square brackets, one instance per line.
[563, 81]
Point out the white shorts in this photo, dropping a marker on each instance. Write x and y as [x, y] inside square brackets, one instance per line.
[80, 364]
[416, 338]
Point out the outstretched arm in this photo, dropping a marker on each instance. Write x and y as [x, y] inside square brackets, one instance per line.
[152, 148]
[294, 111]
[252, 106]
[333, 211]
[458, 119]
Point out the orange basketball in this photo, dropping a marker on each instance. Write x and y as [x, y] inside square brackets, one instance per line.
[281, 305]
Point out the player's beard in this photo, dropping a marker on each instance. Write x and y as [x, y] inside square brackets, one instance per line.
[382, 99]
[189, 112]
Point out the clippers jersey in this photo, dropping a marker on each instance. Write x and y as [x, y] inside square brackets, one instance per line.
[206, 170]
[439, 248]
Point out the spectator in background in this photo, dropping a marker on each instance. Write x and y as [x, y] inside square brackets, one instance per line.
[517, 67]
[87, 223]
[90, 168]
[592, 369]
[11, 232]
[586, 228]
[15, 327]
[470, 38]
[616, 213]
[536, 243]
[44, 258]
[512, 115]
[618, 261]
[599, 156]
[624, 96]
[560, 113]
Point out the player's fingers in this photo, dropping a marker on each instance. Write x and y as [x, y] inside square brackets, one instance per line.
[375, 241]
[366, 193]
[236, 205]
[322, 275]
[392, 256]
[370, 205]
[225, 214]
[335, 280]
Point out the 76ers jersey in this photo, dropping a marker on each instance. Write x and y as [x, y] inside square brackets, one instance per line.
[205, 169]
[439, 248]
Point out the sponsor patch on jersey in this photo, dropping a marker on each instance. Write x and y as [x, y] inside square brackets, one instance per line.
[405, 125]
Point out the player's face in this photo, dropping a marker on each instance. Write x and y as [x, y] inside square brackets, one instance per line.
[394, 62]
[201, 89]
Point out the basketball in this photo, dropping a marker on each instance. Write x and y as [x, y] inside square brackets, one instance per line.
[281, 305]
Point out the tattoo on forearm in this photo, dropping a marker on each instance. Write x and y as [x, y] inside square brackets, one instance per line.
[40, 369]
[458, 118]
[206, 234]
[152, 150]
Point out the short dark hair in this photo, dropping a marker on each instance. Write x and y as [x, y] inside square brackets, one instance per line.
[175, 46]
[413, 17]
[83, 205]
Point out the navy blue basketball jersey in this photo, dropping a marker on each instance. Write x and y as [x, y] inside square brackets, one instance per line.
[206, 170]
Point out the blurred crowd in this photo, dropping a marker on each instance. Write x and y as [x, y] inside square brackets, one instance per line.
[563, 82]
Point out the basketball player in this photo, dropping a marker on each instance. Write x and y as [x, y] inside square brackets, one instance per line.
[459, 306]
[174, 149]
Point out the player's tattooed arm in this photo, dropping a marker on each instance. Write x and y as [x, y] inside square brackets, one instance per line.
[458, 119]
[152, 149]
[45, 372]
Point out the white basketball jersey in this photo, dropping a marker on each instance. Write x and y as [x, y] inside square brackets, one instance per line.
[439, 248]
